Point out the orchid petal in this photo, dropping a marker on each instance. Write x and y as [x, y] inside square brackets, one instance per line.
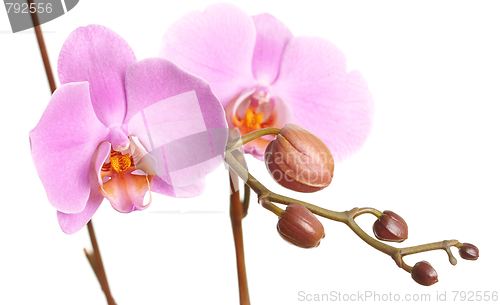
[72, 223]
[272, 37]
[125, 191]
[100, 56]
[144, 162]
[285, 113]
[314, 83]
[217, 45]
[192, 190]
[62, 146]
[102, 153]
[177, 119]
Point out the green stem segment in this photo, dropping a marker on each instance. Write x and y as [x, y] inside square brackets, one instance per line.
[266, 203]
[249, 137]
[266, 197]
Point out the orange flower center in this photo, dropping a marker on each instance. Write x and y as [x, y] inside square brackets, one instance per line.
[120, 163]
[252, 120]
[117, 162]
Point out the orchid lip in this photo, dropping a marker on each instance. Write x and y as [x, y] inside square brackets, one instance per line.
[125, 176]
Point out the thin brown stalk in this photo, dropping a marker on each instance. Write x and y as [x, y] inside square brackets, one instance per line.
[43, 50]
[237, 212]
[95, 261]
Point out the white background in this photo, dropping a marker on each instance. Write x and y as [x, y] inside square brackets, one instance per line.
[432, 157]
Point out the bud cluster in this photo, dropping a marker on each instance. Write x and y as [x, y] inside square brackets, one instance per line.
[300, 161]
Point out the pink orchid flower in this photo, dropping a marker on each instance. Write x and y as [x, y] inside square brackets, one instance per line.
[119, 128]
[264, 76]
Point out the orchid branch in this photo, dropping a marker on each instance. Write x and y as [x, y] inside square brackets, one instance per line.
[95, 261]
[267, 197]
[249, 137]
[237, 211]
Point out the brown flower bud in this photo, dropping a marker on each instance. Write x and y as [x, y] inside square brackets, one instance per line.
[298, 160]
[424, 274]
[469, 251]
[297, 225]
[390, 227]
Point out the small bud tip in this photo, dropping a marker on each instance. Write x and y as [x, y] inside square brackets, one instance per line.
[390, 227]
[298, 226]
[469, 252]
[424, 274]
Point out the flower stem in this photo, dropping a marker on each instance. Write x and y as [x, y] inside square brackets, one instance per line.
[43, 50]
[266, 203]
[249, 137]
[237, 211]
[95, 261]
[94, 258]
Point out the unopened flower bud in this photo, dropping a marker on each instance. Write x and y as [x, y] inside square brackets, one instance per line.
[469, 251]
[298, 160]
[390, 227]
[424, 274]
[300, 227]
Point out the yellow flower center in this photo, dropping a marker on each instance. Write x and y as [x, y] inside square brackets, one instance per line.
[120, 162]
[252, 120]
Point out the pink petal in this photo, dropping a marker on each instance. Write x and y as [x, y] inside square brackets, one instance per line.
[177, 118]
[192, 190]
[238, 106]
[331, 103]
[101, 154]
[72, 223]
[272, 37]
[100, 56]
[217, 45]
[62, 146]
